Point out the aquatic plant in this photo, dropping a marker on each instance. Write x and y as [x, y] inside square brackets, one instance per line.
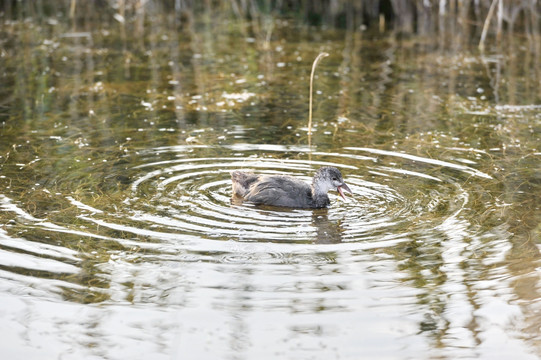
[406, 16]
[314, 65]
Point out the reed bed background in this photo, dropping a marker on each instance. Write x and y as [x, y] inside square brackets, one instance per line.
[477, 19]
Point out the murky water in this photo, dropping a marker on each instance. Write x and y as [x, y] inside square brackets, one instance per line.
[119, 238]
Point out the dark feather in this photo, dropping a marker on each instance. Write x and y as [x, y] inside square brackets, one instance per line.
[286, 191]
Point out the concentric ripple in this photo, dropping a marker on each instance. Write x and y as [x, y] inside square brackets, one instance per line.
[183, 193]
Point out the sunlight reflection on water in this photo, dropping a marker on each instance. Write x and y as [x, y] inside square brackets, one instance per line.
[119, 237]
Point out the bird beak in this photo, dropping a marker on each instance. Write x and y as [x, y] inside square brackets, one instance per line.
[341, 189]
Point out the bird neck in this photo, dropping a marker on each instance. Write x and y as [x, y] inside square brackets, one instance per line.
[320, 198]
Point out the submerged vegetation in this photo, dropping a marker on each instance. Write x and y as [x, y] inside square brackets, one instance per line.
[101, 80]
[121, 120]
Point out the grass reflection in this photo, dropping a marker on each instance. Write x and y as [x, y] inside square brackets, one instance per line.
[119, 125]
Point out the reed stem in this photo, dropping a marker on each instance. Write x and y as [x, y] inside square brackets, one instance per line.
[487, 22]
[318, 58]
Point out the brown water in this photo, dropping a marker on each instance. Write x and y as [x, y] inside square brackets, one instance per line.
[119, 239]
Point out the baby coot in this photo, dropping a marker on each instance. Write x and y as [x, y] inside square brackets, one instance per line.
[282, 190]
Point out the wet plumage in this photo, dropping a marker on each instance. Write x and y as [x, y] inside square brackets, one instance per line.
[287, 191]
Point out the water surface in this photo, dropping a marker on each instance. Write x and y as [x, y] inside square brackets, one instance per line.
[119, 238]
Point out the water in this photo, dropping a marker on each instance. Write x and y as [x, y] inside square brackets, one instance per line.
[119, 238]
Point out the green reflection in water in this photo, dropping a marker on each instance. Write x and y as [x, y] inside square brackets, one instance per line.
[117, 138]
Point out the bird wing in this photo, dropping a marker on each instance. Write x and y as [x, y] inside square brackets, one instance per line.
[280, 191]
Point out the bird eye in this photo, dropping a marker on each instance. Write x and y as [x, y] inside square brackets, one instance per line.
[334, 178]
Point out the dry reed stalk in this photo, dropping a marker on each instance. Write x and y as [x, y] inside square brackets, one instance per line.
[487, 22]
[318, 58]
